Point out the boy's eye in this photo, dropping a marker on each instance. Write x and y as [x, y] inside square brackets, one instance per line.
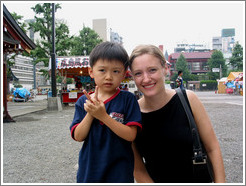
[101, 70]
[116, 71]
[137, 74]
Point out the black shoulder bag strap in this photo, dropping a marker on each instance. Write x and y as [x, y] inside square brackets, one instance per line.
[197, 148]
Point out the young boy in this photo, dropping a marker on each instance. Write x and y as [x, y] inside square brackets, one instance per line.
[106, 120]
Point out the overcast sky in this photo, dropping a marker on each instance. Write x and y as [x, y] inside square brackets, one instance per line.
[146, 22]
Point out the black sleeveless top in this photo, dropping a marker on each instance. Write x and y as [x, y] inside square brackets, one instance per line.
[165, 143]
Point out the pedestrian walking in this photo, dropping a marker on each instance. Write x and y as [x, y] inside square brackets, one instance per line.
[179, 80]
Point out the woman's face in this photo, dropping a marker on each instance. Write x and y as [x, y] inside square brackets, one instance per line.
[148, 74]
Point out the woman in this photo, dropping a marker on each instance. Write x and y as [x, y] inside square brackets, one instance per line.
[165, 143]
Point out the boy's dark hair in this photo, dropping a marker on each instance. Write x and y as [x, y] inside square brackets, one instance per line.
[109, 51]
[179, 72]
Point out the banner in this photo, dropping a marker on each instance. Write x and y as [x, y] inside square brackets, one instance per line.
[72, 62]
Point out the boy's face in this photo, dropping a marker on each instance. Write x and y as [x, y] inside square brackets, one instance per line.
[107, 74]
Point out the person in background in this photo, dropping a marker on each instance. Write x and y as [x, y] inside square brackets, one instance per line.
[78, 84]
[125, 88]
[179, 80]
[165, 142]
[107, 120]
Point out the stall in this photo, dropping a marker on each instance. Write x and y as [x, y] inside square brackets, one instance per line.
[76, 68]
[234, 83]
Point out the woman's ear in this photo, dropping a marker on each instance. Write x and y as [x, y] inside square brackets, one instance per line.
[90, 71]
[165, 69]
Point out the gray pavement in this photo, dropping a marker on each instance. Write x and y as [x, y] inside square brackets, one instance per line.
[37, 148]
[33, 105]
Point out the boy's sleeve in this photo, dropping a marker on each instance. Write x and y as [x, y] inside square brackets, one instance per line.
[79, 115]
[133, 114]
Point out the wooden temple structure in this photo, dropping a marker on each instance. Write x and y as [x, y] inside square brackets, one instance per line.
[14, 40]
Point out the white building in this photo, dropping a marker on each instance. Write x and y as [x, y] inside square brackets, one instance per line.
[225, 43]
[100, 27]
[23, 70]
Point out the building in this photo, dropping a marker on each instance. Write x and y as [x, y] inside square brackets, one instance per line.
[115, 37]
[100, 27]
[225, 43]
[217, 43]
[184, 47]
[197, 61]
[23, 70]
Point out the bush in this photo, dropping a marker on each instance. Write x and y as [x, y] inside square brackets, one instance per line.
[210, 85]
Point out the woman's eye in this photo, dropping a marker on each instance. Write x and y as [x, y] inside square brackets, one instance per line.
[153, 70]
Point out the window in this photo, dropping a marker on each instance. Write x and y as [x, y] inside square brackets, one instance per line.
[196, 66]
[204, 66]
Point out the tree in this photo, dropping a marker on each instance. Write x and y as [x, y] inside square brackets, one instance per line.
[236, 61]
[215, 61]
[85, 42]
[18, 19]
[43, 25]
[182, 65]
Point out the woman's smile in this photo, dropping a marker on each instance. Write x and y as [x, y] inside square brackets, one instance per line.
[149, 86]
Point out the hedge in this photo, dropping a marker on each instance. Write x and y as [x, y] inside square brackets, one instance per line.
[209, 85]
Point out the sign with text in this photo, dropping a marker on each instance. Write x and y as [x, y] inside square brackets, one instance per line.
[72, 95]
[72, 62]
[215, 70]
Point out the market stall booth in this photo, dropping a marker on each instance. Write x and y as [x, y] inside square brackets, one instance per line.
[222, 86]
[76, 68]
[234, 83]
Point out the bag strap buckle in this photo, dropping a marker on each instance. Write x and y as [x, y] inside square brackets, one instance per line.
[200, 162]
[199, 159]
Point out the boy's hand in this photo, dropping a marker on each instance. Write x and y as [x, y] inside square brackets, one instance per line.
[94, 106]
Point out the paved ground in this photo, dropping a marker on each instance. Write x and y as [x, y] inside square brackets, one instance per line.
[37, 148]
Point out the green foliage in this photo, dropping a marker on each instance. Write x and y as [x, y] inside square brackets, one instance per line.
[236, 61]
[18, 19]
[193, 77]
[210, 84]
[43, 25]
[17, 84]
[215, 61]
[85, 42]
[181, 64]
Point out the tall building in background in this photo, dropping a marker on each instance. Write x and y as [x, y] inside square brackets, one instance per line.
[217, 43]
[225, 43]
[228, 40]
[115, 37]
[100, 27]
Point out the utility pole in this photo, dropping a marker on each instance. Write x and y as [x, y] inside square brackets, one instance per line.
[53, 55]
[220, 72]
[34, 74]
[54, 102]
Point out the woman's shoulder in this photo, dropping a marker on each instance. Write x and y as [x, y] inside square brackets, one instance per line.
[191, 95]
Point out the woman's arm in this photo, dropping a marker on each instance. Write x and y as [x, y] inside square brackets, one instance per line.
[208, 136]
[141, 175]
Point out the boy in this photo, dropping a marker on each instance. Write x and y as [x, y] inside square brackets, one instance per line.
[106, 120]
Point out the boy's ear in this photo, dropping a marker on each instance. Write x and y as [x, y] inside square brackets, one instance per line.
[90, 71]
